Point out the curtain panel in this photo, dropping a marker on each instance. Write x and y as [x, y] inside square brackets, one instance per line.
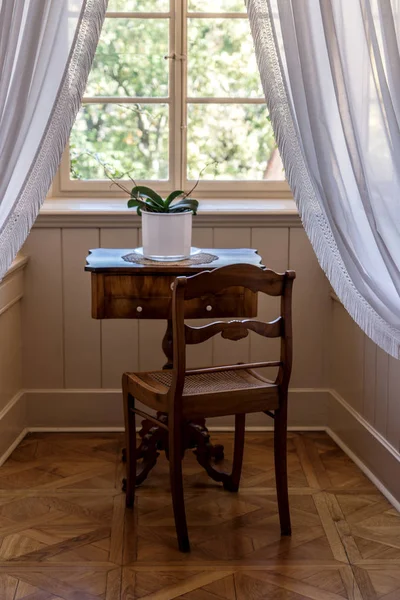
[46, 51]
[331, 77]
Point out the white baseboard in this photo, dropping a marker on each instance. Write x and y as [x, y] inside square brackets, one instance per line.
[375, 456]
[12, 425]
[100, 410]
[361, 465]
[310, 410]
[10, 449]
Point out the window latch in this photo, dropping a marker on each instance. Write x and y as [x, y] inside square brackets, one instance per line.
[175, 56]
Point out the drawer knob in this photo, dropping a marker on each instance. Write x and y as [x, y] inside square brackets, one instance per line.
[139, 309]
[208, 307]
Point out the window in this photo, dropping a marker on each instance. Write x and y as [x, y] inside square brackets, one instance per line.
[174, 95]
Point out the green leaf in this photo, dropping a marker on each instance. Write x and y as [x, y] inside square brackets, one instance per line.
[138, 204]
[149, 204]
[188, 204]
[142, 190]
[143, 204]
[172, 197]
[134, 202]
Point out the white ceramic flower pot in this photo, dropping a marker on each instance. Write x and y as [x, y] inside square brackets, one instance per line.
[166, 236]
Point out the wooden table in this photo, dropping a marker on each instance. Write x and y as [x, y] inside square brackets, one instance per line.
[133, 290]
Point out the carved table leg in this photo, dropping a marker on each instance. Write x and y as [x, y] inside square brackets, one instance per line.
[155, 439]
[205, 452]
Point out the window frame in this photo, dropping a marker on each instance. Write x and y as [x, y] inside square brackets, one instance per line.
[178, 103]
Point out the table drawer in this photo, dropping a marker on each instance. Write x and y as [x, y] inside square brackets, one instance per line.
[147, 297]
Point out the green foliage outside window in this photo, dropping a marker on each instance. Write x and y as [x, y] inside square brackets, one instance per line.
[134, 137]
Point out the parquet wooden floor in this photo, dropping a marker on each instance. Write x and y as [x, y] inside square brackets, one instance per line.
[65, 533]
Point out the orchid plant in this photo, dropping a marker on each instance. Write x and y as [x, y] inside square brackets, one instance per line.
[145, 198]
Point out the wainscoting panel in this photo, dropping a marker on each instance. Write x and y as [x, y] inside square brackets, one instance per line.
[311, 313]
[369, 399]
[347, 345]
[119, 337]
[81, 353]
[393, 426]
[42, 311]
[381, 391]
[82, 335]
[365, 377]
[12, 403]
[10, 354]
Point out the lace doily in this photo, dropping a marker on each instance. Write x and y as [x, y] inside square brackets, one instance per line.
[203, 258]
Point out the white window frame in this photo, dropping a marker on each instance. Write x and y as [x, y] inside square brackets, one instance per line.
[178, 102]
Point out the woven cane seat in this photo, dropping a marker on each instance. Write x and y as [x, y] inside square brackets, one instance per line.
[207, 389]
[208, 383]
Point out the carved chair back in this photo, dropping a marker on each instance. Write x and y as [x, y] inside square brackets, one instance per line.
[209, 283]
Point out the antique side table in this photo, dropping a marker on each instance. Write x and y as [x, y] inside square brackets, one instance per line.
[126, 286]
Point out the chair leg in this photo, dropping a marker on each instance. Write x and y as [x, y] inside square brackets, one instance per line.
[280, 447]
[233, 484]
[130, 435]
[176, 479]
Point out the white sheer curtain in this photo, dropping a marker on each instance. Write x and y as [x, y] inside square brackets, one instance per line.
[331, 76]
[46, 50]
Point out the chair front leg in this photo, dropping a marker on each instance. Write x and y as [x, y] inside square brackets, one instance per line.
[176, 479]
[280, 449]
[130, 434]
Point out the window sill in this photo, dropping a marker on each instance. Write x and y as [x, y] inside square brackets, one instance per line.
[112, 212]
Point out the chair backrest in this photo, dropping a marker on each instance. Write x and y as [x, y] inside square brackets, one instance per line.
[211, 282]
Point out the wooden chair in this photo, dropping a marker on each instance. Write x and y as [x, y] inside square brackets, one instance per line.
[186, 395]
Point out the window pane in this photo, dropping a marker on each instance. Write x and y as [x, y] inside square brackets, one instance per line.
[239, 138]
[128, 138]
[221, 60]
[216, 6]
[138, 6]
[129, 59]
